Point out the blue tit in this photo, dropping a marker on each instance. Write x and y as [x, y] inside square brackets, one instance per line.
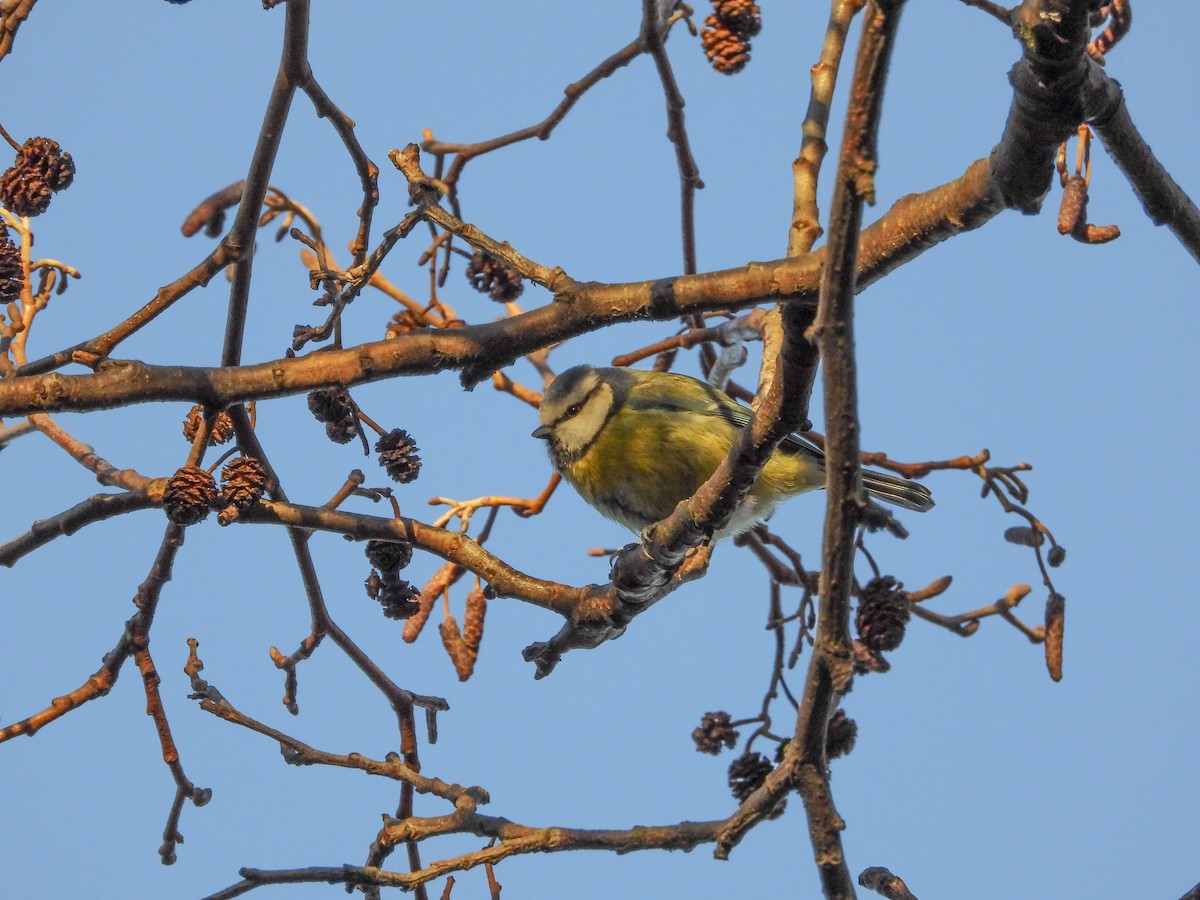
[634, 444]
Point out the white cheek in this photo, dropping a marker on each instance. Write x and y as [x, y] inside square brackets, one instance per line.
[578, 431]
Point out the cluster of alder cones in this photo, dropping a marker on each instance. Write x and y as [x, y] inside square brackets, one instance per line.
[40, 170]
[726, 35]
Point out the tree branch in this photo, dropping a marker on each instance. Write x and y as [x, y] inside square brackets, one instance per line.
[831, 667]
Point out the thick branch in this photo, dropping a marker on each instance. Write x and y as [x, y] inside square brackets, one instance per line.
[914, 224]
[1056, 86]
[831, 666]
[1164, 200]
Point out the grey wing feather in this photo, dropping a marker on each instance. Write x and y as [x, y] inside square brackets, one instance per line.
[740, 416]
[900, 491]
[881, 486]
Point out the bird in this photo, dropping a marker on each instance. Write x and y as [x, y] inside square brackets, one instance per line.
[634, 443]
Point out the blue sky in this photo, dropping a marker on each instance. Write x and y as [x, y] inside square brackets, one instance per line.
[973, 775]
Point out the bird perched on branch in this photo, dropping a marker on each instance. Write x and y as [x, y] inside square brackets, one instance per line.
[634, 444]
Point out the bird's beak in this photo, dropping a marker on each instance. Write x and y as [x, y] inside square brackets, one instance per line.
[542, 431]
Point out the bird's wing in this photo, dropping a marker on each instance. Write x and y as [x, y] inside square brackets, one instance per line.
[697, 397]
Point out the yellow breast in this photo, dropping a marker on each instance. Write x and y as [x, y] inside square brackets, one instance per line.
[645, 462]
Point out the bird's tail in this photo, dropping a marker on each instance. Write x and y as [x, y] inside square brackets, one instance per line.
[899, 491]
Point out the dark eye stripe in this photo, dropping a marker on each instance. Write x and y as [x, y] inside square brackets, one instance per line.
[575, 408]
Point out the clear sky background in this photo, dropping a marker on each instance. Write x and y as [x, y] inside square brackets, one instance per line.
[973, 775]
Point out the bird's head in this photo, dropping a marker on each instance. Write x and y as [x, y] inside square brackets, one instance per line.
[574, 409]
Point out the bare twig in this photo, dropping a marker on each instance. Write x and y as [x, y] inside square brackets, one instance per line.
[96, 508]
[883, 882]
[806, 218]
[464, 153]
[995, 10]
[653, 37]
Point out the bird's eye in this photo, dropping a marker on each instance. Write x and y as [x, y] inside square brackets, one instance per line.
[574, 409]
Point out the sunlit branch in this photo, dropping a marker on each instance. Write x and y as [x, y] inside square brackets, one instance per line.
[914, 224]
[831, 665]
[806, 218]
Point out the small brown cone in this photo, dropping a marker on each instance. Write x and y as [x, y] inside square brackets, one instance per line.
[189, 495]
[743, 17]
[41, 169]
[715, 733]
[222, 428]
[726, 50]
[883, 613]
[398, 455]
[12, 274]
[840, 735]
[490, 276]
[243, 481]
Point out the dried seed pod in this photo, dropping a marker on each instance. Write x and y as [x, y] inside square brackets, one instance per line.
[41, 169]
[222, 428]
[840, 735]
[715, 733]
[397, 597]
[330, 404]
[456, 648]
[490, 276]
[883, 612]
[726, 49]
[334, 407]
[12, 274]
[747, 773]
[1023, 535]
[189, 495]
[1056, 608]
[243, 481]
[389, 556]
[398, 455]
[473, 618]
[1056, 555]
[743, 17]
